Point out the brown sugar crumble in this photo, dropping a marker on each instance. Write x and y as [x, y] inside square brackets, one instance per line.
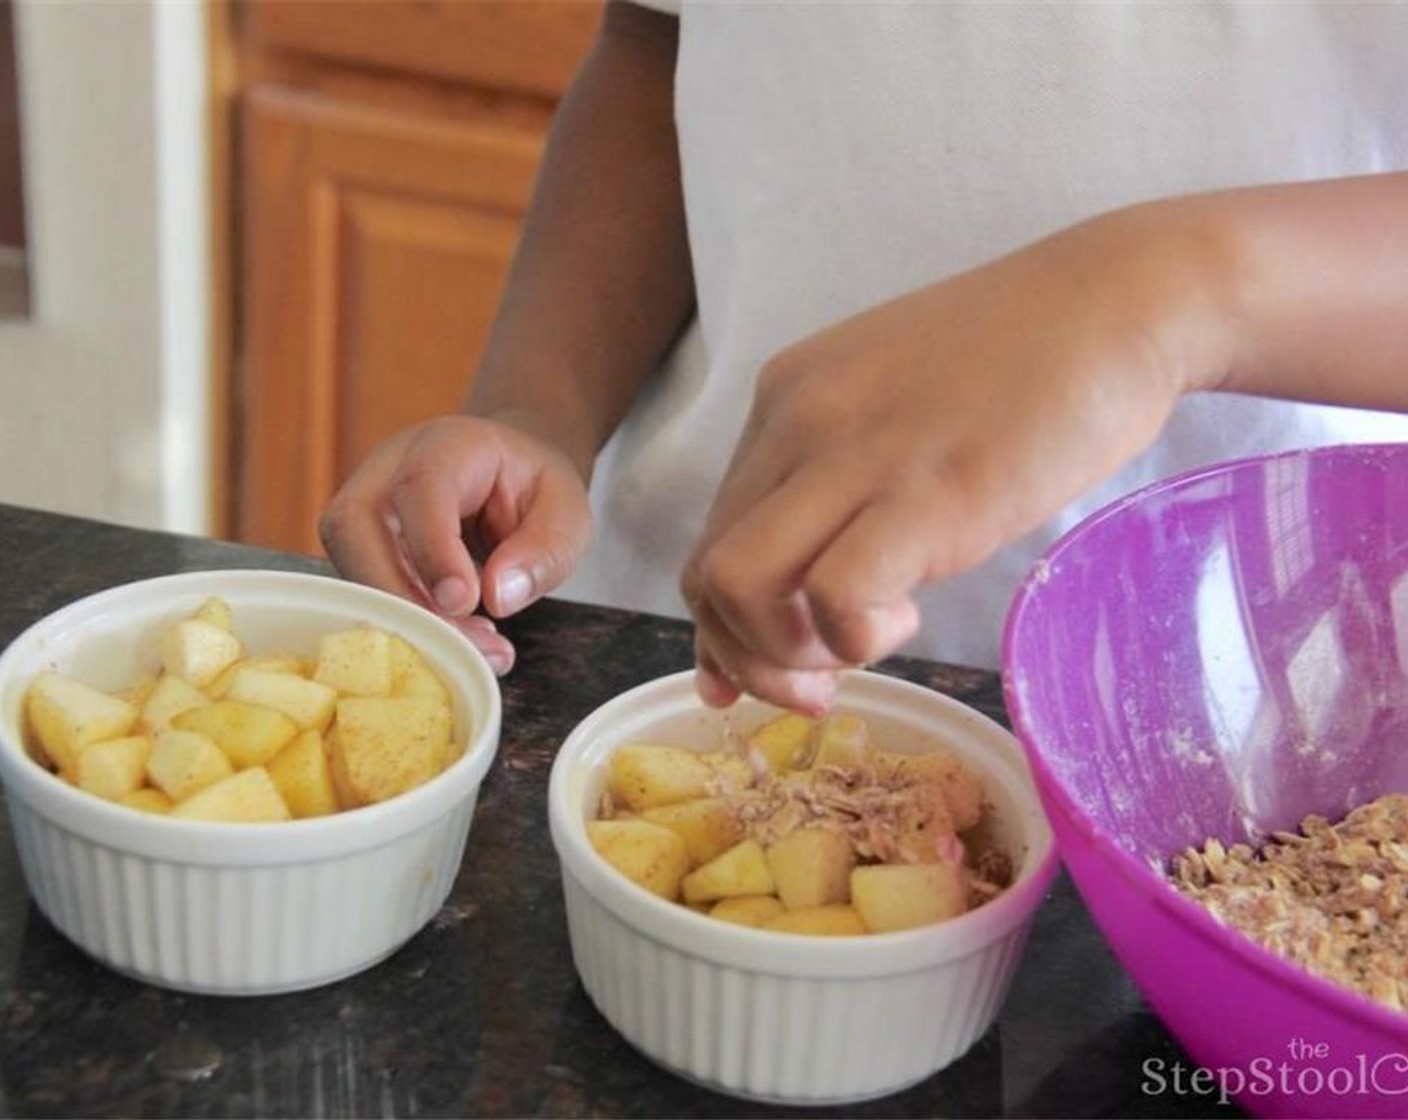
[887, 815]
[891, 808]
[1332, 898]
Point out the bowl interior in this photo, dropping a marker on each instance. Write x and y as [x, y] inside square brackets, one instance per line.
[109, 639]
[1223, 653]
[900, 716]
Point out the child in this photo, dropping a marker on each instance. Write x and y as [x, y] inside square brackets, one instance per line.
[906, 290]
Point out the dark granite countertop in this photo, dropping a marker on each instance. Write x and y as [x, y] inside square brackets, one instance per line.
[481, 1013]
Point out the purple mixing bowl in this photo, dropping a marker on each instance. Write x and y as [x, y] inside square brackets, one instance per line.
[1218, 655]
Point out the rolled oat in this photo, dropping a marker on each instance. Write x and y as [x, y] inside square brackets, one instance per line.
[1332, 898]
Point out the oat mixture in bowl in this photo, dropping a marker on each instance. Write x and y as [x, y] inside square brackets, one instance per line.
[1332, 898]
[804, 826]
[1222, 655]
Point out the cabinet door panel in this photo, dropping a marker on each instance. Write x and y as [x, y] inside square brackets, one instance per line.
[421, 280]
[375, 247]
[528, 46]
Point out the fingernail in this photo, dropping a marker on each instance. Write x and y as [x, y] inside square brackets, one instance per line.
[501, 663]
[451, 595]
[815, 692]
[713, 688]
[893, 624]
[513, 587]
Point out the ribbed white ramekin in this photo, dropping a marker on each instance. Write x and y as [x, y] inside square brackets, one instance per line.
[226, 908]
[786, 1018]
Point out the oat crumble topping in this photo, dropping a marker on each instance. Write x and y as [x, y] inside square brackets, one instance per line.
[886, 817]
[1331, 898]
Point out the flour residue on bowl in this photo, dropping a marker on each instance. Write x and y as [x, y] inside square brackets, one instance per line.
[1183, 745]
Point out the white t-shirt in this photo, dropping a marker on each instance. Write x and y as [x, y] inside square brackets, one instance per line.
[836, 155]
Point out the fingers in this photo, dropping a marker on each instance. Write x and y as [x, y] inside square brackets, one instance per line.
[438, 483]
[399, 523]
[360, 540]
[755, 631]
[482, 632]
[859, 589]
[363, 541]
[751, 576]
[725, 670]
[806, 583]
[526, 505]
[542, 538]
[713, 687]
[818, 576]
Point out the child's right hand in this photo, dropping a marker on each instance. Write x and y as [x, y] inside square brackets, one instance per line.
[405, 520]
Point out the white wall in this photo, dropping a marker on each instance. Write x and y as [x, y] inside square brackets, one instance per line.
[104, 390]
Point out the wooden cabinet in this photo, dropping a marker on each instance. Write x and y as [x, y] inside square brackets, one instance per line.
[385, 156]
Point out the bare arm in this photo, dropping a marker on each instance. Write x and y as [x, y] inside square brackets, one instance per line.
[911, 441]
[1314, 300]
[602, 283]
[600, 287]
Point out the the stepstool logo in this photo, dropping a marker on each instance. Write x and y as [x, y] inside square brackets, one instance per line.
[1308, 1069]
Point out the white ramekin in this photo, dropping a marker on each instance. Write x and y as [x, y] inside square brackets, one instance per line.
[236, 909]
[787, 1018]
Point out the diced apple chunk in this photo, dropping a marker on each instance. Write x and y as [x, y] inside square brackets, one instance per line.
[898, 896]
[706, 825]
[355, 662]
[842, 740]
[216, 611]
[185, 762]
[171, 696]
[304, 777]
[309, 704]
[785, 742]
[811, 867]
[643, 775]
[249, 734]
[248, 797]
[66, 716]
[819, 921]
[743, 869]
[924, 832]
[729, 770]
[113, 768]
[198, 651]
[411, 674]
[139, 693]
[385, 746]
[747, 909]
[648, 854]
[147, 800]
[219, 688]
